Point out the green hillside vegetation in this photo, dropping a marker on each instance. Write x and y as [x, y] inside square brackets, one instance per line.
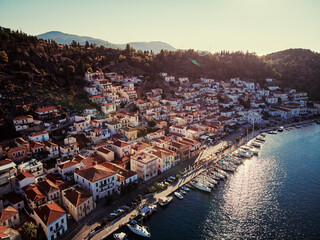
[35, 72]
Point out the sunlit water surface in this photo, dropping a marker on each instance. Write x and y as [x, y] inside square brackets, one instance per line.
[273, 196]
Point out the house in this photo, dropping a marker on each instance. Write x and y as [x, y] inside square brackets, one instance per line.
[97, 98]
[36, 147]
[91, 111]
[161, 124]
[7, 176]
[33, 196]
[91, 90]
[121, 148]
[129, 133]
[39, 136]
[183, 80]
[22, 122]
[47, 112]
[165, 159]
[141, 104]
[25, 179]
[182, 149]
[52, 218]
[108, 108]
[129, 95]
[67, 167]
[78, 202]
[99, 134]
[70, 147]
[52, 149]
[91, 76]
[271, 100]
[15, 201]
[106, 154]
[97, 179]
[17, 154]
[178, 129]
[124, 177]
[254, 117]
[33, 166]
[50, 190]
[145, 165]
[9, 217]
[169, 78]
[113, 126]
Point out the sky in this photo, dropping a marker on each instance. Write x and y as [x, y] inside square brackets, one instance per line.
[261, 26]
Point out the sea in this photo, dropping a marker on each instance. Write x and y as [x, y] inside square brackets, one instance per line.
[273, 196]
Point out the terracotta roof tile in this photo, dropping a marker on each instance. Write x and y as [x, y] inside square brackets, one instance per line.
[77, 197]
[49, 213]
[95, 173]
[7, 213]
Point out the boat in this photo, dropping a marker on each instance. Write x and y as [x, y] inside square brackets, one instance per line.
[165, 200]
[185, 188]
[183, 192]
[148, 210]
[178, 195]
[139, 230]
[263, 134]
[256, 144]
[225, 168]
[120, 236]
[202, 187]
[244, 153]
[261, 138]
[272, 132]
[280, 129]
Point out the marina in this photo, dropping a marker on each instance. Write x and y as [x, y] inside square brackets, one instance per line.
[205, 179]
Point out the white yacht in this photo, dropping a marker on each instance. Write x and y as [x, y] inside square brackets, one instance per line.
[120, 236]
[139, 230]
[261, 138]
[165, 200]
[202, 187]
[244, 153]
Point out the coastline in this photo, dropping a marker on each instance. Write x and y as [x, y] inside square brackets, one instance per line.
[207, 157]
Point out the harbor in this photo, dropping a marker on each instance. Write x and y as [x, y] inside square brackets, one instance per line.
[208, 170]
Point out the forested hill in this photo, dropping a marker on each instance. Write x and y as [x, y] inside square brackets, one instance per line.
[36, 72]
[299, 68]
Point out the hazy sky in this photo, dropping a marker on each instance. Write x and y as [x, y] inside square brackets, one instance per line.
[261, 26]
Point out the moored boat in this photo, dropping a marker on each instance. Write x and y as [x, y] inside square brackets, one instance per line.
[120, 236]
[202, 187]
[139, 230]
[178, 195]
[185, 188]
[165, 200]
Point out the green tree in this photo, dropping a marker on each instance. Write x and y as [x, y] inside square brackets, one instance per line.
[152, 123]
[3, 57]
[29, 231]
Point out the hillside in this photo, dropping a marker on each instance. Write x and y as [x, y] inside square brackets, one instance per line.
[35, 72]
[299, 68]
[65, 38]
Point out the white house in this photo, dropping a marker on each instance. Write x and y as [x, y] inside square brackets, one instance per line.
[25, 179]
[97, 179]
[52, 218]
[39, 136]
[108, 108]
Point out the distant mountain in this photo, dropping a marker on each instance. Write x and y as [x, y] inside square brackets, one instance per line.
[65, 38]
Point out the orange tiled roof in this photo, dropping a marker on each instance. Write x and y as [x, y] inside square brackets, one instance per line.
[77, 197]
[95, 173]
[45, 109]
[7, 213]
[49, 213]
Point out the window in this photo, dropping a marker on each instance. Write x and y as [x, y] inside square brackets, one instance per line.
[57, 225]
[52, 237]
[14, 217]
[62, 220]
[96, 184]
[51, 228]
